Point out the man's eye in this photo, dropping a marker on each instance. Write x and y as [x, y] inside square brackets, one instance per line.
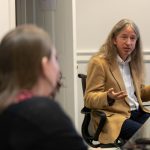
[133, 38]
[123, 37]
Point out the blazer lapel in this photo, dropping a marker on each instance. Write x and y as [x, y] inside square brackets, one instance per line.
[114, 69]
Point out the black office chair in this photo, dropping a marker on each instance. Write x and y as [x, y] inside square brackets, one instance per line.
[91, 140]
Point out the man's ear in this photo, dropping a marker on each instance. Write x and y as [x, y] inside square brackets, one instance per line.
[45, 65]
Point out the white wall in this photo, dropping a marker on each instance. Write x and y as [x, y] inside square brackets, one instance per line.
[95, 19]
[7, 16]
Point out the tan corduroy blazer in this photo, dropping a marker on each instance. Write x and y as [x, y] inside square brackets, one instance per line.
[101, 76]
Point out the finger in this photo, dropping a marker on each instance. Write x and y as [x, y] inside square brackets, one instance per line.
[119, 95]
[110, 90]
[123, 96]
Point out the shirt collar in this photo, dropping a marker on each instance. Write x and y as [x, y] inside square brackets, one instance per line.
[120, 61]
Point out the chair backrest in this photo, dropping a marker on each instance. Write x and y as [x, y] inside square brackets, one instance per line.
[83, 80]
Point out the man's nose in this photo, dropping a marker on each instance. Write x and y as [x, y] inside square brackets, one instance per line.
[128, 41]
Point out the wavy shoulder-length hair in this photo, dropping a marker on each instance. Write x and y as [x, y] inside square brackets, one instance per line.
[109, 50]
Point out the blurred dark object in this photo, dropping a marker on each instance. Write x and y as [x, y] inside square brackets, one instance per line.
[143, 141]
[140, 140]
[139, 144]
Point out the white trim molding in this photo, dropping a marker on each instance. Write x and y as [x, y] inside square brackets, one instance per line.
[146, 54]
[83, 56]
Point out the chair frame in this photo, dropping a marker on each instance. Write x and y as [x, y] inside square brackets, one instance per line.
[90, 140]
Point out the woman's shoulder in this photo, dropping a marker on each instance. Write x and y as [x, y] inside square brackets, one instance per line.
[38, 110]
[34, 106]
[40, 117]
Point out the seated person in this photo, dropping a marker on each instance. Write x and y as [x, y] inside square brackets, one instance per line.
[115, 83]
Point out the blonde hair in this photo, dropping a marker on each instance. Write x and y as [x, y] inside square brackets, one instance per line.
[21, 52]
[109, 50]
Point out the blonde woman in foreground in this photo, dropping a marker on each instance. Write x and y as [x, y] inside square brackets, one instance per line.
[30, 119]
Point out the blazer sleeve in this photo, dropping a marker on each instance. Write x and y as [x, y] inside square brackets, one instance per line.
[95, 95]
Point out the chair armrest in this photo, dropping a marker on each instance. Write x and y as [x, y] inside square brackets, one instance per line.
[99, 113]
[102, 121]
[87, 112]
